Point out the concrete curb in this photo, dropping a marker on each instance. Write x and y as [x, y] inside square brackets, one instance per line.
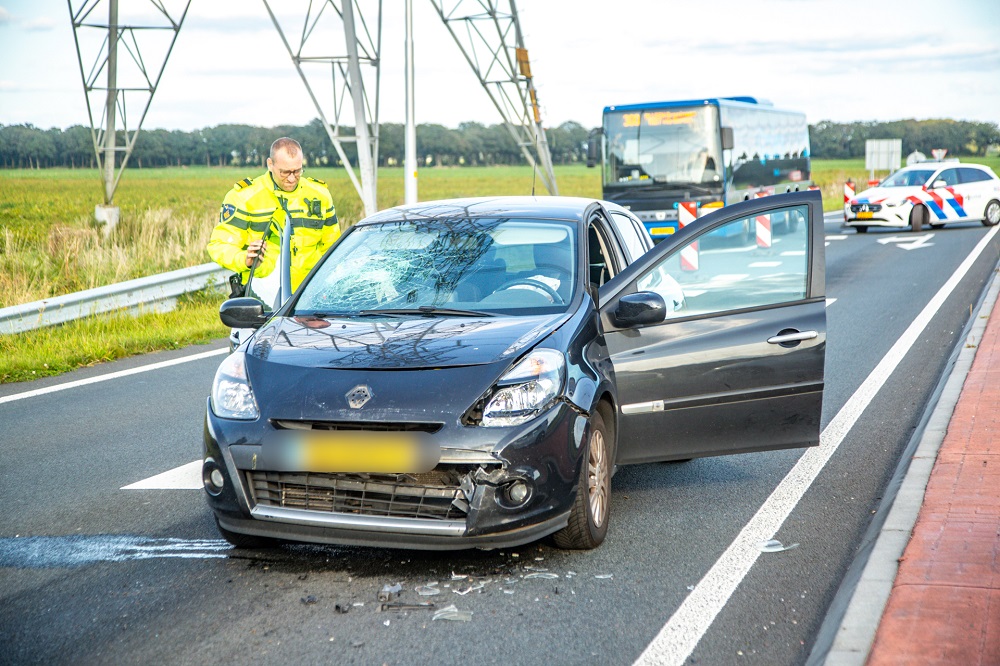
[860, 623]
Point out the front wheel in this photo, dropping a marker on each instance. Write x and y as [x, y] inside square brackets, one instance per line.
[917, 218]
[588, 519]
[991, 215]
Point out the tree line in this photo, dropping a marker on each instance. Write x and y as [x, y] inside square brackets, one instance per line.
[471, 143]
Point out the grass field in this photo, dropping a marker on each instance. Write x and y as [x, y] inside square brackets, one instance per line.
[50, 246]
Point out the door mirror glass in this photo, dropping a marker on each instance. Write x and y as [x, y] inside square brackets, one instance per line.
[594, 147]
[727, 138]
[242, 313]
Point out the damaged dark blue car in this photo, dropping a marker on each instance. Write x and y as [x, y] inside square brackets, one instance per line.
[469, 373]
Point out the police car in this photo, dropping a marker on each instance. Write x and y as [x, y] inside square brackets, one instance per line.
[933, 193]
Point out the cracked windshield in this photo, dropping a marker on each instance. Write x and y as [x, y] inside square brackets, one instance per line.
[482, 265]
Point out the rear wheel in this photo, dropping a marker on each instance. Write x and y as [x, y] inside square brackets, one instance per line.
[991, 215]
[588, 519]
[918, 216]
[246, 541]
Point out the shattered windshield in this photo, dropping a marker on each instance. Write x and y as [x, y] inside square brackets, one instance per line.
[451, 267]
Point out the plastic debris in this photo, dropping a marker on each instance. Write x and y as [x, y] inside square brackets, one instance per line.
[457, 576]
[401, 606]
[775, 546]
[604, 576]
[529, 568]
[428, 590]
[471, 588]
[308, 600]
[453, 614]
[389, 592]
[508, 591]
[540, 574]
[341, 608]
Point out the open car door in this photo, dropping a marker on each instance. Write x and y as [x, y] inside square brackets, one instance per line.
[272, 289]
[738, 366]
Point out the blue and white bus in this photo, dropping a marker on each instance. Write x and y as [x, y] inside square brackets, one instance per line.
[714, 152]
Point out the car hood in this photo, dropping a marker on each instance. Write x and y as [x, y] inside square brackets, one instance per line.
[882, 194]
[404, 343]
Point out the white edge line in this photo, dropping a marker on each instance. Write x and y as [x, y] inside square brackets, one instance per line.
[683, 631]
[112, 375]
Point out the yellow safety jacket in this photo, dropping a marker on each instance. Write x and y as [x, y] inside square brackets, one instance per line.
[254, 207]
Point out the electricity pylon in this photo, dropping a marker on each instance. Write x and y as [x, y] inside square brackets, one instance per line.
[122, 79]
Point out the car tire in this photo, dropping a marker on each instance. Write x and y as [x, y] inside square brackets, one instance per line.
[588, 519]
[917, 218]
[937, 226]
[246, 541]
[862, 228]
[991, 214]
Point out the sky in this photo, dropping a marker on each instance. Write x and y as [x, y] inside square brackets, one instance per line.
[834, 60]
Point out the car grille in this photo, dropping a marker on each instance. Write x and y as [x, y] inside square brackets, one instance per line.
[373, 426]
[435, 495]
[871, 208]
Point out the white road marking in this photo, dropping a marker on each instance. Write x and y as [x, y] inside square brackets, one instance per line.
[793, 253]
[112, 375]
[765, 264]
[681, 634]
[185, 477]
[908, 242]
[830, 301]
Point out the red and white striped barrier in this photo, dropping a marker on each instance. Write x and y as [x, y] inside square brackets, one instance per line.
[687, 212]
[848, 192]
[763, 227]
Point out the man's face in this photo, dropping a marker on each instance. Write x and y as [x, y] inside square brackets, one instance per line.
[285, 169]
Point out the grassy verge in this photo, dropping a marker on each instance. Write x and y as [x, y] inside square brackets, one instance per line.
[58, 349]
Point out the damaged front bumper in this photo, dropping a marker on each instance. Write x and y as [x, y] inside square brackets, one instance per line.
[493, 487]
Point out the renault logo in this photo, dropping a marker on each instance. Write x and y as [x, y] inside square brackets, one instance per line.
[358, 396]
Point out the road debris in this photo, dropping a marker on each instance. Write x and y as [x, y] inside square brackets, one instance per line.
[399, 606]
[309, 600]
[428, 590]
[453, 614]
[775, 546]
[389, 592]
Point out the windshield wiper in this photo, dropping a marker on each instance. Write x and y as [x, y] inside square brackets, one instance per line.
[425, 310]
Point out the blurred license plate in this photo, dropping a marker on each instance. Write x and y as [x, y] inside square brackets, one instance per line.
[661, 231]
[865, 215]
[353, 451]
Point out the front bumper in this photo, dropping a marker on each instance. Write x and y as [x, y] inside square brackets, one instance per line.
[462, 503]
[881, 215]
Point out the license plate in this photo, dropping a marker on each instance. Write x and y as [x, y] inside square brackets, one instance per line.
[865, 215]
[351, 452]
[661, 231]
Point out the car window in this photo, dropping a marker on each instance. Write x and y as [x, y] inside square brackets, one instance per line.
[600, 257]
[949, 176]
[913, 178]
[626, 226]
[491, 265]
[710, 275]
[969, 175]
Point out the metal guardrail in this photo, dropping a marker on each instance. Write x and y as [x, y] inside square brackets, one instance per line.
[155, 292]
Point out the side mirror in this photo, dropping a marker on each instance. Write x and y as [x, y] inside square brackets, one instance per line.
[639, 309]
[939, 183]
[242, 313]
[594, 147]
[727, 138]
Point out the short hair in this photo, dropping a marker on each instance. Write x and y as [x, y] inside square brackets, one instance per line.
[290, 146]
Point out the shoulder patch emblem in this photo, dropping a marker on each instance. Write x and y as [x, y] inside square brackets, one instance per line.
[240, 184]
[228, 210]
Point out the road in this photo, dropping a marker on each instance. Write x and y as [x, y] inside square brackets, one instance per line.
[94, 571]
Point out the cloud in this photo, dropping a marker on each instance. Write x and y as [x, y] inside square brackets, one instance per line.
[4, 16]
[42, 24]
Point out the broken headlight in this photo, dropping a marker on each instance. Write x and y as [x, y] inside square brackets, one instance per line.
[526, 390]
[232, 397]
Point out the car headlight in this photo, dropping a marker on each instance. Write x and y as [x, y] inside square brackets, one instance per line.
[232, 397]
[526, 389]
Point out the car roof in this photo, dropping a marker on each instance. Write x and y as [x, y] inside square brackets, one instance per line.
[544, 207]
[937, 166]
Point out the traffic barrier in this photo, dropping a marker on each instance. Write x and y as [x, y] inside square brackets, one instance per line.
[763, 228]
[848, 195]
[687, 212]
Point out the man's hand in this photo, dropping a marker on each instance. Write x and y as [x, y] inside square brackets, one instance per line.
[257, 248]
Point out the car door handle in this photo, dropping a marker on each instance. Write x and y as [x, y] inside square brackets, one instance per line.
[784, 338]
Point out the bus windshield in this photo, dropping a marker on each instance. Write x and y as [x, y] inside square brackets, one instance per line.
[673, 146]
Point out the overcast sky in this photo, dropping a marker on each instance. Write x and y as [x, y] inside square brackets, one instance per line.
[835, 60]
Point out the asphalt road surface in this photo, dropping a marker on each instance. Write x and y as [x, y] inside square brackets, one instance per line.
[108, 553]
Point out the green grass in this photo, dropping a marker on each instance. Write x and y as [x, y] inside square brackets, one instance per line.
[58, 349]
[49, 245]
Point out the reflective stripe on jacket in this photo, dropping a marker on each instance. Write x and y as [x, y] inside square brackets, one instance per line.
[255, 206]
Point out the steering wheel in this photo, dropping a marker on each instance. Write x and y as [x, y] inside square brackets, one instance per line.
[537, 285]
